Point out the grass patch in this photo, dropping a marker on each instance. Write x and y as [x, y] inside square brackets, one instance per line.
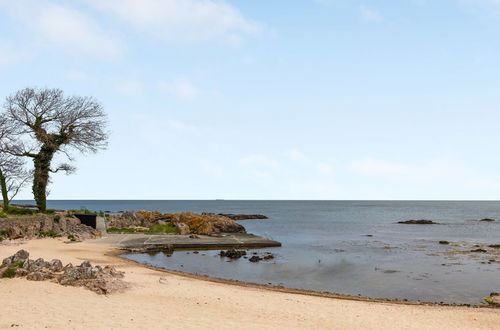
[156, 229]
[162, 229]
[3, 215]
[4, 233]
[49, 233]
[9, 273]
[20, 211]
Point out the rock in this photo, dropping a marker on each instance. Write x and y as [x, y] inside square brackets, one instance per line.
[487, 220]
[444, 242]
[495, 246]
[233, 254]
[255, 259]
[418, 222]
[39, 276]
[98, 279]
[194, 236]
[56, 265]
[21, 255]
[182, 228]
[479, 250]
[42, 225]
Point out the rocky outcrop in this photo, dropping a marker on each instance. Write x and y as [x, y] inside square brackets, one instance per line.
[206, 224]
[418, 222]
[101, 280]
[185, 223]
[487, 220]
[46, 226]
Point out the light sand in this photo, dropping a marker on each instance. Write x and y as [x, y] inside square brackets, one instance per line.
[159, 300]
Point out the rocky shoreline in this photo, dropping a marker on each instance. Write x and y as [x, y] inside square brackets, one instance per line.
[101, 280]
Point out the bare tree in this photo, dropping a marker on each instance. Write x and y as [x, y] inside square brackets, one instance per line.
[13, 177]
[39, 123]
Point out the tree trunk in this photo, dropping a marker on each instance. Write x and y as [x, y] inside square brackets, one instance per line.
[5, 195]
[41, 176]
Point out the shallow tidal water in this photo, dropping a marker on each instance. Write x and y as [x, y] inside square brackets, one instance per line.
[325, 247]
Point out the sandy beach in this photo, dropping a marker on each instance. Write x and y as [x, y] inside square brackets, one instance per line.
[161, 300]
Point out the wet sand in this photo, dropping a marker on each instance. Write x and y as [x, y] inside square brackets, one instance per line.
[163, 300]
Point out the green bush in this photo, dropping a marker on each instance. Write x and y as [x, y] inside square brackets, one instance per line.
[49, 233]
[49, 211]
[9, 273]
[20, 211]
[57, 218]
[4, 233]
[3, 215]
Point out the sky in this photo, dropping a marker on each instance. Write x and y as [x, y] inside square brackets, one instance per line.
[271, 99]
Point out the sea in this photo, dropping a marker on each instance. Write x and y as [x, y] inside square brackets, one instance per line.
[347, 247]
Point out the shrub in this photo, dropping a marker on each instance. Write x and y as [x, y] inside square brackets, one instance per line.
[3, 215]
[57, 218]
[49, 233]
[20, 211]
[49, 211]
[9, 273]
[4, 233]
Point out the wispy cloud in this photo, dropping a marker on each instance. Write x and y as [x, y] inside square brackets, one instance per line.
[370, 14]
[182, 88]
[184, 21]
[52, 25]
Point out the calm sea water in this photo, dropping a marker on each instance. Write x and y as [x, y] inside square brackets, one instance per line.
[325, 247]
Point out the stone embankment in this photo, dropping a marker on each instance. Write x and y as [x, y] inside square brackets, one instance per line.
[41, 225]
[101, 280]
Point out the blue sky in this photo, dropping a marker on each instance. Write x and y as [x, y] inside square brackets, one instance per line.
[268, 99]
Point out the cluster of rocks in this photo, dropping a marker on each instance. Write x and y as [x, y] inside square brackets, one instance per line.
[237, 254]
[239, 216]
[42, 225]
[185, 223]
[101, 280]
[233, 254]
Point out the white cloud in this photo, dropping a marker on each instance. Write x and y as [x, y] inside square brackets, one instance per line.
[182, 88]
[184, 21]
[54, 25]
[296, 155]
[370, 14]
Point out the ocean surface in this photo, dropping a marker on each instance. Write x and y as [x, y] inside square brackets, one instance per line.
[326, 246]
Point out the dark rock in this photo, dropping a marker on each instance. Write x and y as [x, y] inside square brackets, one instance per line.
[255, 259]
[418, 222]
[487, 220]
[479, 250]
[495, 246]
[233, 254]
[444, 242]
